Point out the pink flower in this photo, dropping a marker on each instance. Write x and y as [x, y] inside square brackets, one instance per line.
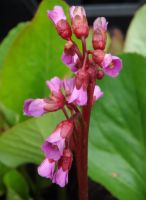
[54, 85]
[64, 165]
[112, 65]
[100, 23]
[70, 61]
[46, 169]
[54, 145]
[61, 177]
[78, 96]
[68, 85]
[97, 93]
[34, 107]
[56, 14]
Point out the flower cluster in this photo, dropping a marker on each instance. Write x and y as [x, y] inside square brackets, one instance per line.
[70, 95]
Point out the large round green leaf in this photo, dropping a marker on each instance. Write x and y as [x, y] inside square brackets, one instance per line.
[117, 138]
[33, 57]
[117, 132]
[136, 36]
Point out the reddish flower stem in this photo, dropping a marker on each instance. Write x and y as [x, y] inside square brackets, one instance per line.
[81, 152]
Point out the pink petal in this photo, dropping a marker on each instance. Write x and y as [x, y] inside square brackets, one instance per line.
[69, 85]
[61, 177]
[97, 93]
[78, 97]
[77, 10]
[54, 84]
[34, 107]
[70, 61]
[56, 14]
[46, 169]
[106, 61]
[100, 23]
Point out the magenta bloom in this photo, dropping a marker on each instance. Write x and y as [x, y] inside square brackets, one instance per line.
[112, 65]
[34, 107]
[100, 23]
[56, 14]
[70, 61]
[78, 96]
[46, 168]
[61, 177]
[54, 85]
[54, 145]
[68, 85]
[97, 93]
[64, 165]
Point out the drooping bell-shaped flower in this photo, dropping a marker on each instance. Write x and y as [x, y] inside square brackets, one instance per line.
[46, 168]
[54, 145]
[112, 65]
[61, 175]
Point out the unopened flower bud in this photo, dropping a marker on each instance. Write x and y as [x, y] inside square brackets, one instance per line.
[79, 21]
[100, 23]
[58, 17]
[82, 79]
[98, 56]
[100, 74]
[99, 33]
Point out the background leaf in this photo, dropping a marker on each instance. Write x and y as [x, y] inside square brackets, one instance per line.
[7, 42]
[16, 185]
[33, 57]
[117, 134]
[136, 36]
[28, 136]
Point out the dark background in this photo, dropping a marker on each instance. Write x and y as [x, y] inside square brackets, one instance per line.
[14, 11]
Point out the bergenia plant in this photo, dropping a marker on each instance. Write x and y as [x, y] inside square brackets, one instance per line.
[75, 96]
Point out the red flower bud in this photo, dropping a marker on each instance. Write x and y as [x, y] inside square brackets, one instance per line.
[82, 79]
[98, 56]
[58, 17]
[99, 39]
[64, 29]
[79, 21]
[100, 74]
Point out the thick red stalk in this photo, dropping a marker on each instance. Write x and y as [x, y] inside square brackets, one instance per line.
[82, 147]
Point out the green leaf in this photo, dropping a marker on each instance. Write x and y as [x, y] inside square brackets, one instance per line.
[136, 36]
[117, 153]
[16, 185]
[3, 170]
[9, 116]
[22, 143]
[7, 42]
[33, 57]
